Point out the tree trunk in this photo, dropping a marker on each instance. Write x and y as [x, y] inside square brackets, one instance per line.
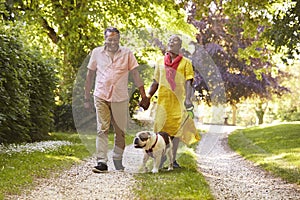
[260, 117]
[260, 112]
[234, 110]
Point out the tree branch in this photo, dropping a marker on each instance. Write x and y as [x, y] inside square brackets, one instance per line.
[50, 31]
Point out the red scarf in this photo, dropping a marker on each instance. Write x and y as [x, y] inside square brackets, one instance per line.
[171, 68]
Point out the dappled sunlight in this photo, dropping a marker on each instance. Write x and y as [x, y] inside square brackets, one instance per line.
[44, 146]
[62, 157]
[274, 148]
[296, 150]
[188, 151]
[284, 160]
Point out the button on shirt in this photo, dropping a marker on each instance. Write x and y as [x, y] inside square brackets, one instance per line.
[112, 74]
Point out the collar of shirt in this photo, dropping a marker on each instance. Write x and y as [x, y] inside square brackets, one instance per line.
[103, 50]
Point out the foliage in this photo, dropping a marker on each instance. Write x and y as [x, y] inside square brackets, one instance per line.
[75, 28]
[285, 32]
[233, 40]
[288, 108]
[275, 148]
[27, 84]
[63, 119]
[279, 19]
[232, 32]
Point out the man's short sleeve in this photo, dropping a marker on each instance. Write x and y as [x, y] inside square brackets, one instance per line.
[92, 65]
[132, 62]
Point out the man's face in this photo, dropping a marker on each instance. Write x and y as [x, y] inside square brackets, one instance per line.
[174, 44]
[112, 41]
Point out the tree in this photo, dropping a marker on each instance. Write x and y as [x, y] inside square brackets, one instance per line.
[233, 39]
[285, 30]
[235, 44]
[76, 27]
[26, 89]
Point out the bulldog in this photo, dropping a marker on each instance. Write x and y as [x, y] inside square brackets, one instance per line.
[156, 145]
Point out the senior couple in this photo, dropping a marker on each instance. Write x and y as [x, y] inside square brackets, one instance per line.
[110, 65]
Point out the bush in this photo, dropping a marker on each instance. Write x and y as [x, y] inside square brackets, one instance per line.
[27, 83]
[289, 114]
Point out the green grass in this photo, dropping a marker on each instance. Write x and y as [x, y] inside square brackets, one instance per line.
[18, 171]
[183, 183]
[21, 169]
[274, 148]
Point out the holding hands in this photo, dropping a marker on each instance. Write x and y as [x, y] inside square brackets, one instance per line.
[145, 102]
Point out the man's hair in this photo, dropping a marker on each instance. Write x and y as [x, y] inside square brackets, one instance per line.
[111, 29]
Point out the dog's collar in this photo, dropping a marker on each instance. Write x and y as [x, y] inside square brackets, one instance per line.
[149, 151]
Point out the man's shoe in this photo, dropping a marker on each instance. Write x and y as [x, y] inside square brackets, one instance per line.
[176, 165]
[101, 167]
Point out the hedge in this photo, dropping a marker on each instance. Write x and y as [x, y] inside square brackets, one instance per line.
[27, 84]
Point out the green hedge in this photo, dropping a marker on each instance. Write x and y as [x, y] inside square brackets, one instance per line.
[27, 84]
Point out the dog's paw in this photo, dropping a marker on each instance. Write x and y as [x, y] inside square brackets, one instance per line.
[154, 171]
[170, 168]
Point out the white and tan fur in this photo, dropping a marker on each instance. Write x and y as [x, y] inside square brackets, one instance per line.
[146, 140]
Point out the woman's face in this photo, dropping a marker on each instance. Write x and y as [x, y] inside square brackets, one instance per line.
[174, 44]
[112, 41]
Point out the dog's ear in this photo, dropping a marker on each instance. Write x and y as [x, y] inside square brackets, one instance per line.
[144, 136]
[149, 134]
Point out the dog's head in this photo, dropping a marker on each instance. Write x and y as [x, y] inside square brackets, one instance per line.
[141, 139]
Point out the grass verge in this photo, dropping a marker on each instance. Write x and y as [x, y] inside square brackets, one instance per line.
[274, 148]
[18, 171]
[183, 183]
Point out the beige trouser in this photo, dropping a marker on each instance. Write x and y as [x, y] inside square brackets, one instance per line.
[110, 113]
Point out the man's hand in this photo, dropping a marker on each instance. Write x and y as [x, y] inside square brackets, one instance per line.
[145, 103]
[88, 106]
[87, 90]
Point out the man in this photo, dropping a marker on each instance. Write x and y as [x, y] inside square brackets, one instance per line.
[173, 80]
[111, 64]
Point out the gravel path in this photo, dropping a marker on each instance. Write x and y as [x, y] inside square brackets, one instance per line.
[232, 177]
[228, 174]
[80, 183]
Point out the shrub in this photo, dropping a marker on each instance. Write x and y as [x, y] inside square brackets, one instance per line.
[27, 82]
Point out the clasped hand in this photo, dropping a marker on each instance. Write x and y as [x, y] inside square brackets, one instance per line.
[145, 103]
